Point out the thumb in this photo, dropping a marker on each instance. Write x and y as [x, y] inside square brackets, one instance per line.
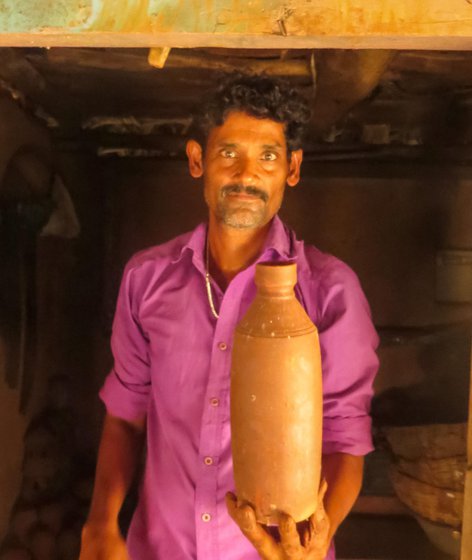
[322, 491]
[245, 518]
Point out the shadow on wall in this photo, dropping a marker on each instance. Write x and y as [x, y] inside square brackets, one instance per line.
[16, 130]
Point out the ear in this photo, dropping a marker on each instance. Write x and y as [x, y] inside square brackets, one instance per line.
[296, 159]
[195, 158]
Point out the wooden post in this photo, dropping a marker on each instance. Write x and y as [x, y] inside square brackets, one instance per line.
[466, 546]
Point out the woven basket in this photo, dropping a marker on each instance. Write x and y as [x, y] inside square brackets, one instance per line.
[448, 473]
[436, 504]
[432, 441]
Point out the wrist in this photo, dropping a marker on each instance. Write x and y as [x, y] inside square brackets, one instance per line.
[100, 525]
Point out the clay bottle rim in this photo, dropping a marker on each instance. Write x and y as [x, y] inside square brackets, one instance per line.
[276, 276]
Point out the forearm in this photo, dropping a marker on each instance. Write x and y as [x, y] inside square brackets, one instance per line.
[343, 473]
[118, 457]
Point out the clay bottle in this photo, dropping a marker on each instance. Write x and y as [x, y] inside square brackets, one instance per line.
[276, 401]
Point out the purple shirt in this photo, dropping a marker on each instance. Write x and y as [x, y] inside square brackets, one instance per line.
[172, 363]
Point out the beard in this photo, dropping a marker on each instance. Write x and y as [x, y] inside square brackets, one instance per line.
[242, 214]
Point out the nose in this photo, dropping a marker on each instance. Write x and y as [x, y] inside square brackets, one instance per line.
[247, 172]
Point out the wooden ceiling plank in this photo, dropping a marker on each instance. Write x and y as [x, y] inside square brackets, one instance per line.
[352, 24]
[232, 40]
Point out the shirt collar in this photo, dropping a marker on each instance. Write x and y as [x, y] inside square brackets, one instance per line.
[280, 240]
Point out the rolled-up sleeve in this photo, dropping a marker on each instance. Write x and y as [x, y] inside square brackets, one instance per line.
[348, 343]
[126, 390]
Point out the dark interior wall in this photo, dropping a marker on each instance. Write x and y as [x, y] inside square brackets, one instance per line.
[69, 292]
[50, 448]
[16, 131]
[388, 222]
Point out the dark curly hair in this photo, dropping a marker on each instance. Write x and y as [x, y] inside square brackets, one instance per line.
[259, 96]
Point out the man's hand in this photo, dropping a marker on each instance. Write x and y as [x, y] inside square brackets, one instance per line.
[312, 544]
[102, 544]
[118, 457]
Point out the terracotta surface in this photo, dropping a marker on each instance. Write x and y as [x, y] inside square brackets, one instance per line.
[276, 401]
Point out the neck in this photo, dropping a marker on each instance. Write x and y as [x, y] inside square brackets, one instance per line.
[232, 250]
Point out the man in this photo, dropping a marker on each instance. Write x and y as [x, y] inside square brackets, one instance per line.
[177, 309]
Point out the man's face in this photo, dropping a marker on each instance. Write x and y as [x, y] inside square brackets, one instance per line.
[245, 169]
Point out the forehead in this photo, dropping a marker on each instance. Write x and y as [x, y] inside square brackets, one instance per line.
[240, 127]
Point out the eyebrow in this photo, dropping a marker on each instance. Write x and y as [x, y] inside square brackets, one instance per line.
[275, 146]
[227, 145]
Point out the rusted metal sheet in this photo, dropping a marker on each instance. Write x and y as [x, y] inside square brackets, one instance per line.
[398, 24]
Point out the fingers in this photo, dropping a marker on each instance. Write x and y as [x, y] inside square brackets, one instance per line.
[307, 534]
[319, 521]
[289, 538]
[318, 524]
[245, 517]
[315, 536]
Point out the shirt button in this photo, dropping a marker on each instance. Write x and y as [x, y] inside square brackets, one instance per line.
[206, 517]
[208, 461]
[222, 346]
[214, 401]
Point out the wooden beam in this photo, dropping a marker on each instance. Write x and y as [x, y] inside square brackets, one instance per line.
[179, 58]
[456, 67]
[343, 79]
[466, 545]
[350, 24]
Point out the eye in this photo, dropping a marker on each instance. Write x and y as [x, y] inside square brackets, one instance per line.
[228, 154]
[269, 156]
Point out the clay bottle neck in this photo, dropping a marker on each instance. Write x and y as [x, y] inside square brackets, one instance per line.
[276, 279]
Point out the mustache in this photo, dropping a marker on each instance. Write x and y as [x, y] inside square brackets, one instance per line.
[237, 188]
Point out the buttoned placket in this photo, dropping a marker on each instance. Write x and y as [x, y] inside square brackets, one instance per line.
[215, 413]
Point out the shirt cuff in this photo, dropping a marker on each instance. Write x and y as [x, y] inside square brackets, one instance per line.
[122, 401]
[347, 435]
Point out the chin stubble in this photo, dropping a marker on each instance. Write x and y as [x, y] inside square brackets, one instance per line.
[241, 216]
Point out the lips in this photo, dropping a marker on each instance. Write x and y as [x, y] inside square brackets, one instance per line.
[243, 196]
